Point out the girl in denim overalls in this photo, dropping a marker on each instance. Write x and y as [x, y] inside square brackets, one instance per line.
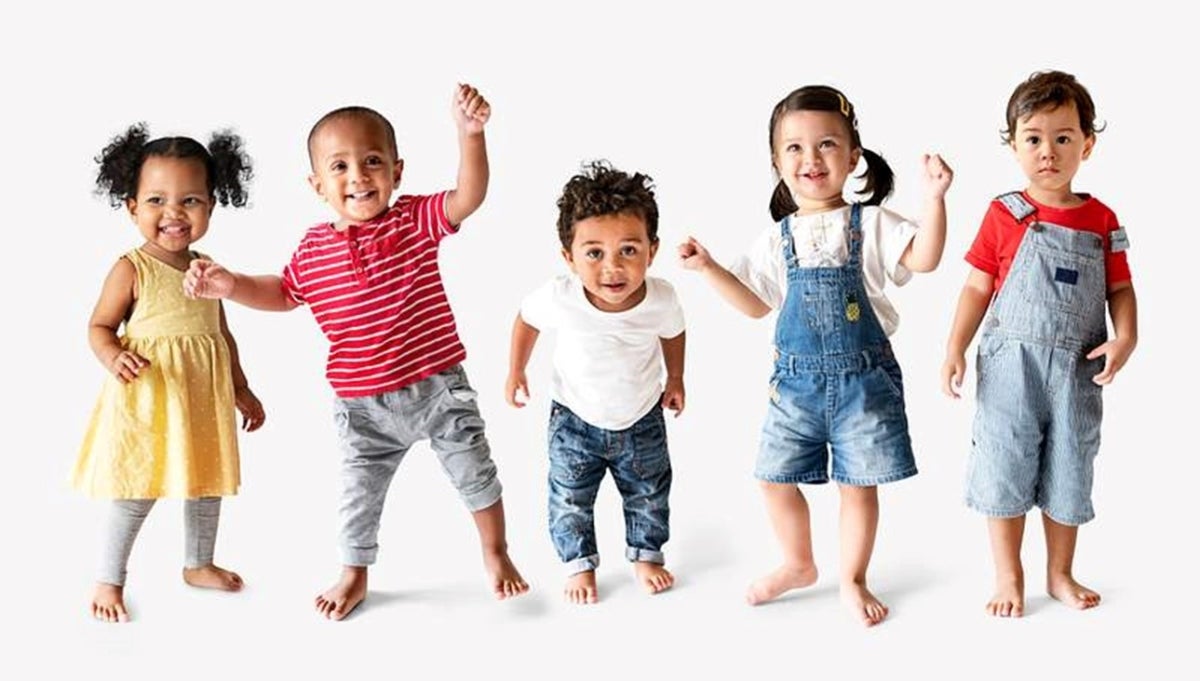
[836, 386]
[1046, 259]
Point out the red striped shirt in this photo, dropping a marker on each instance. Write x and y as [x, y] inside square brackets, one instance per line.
[376, 292]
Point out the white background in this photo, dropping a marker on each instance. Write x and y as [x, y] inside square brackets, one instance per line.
[683, 94]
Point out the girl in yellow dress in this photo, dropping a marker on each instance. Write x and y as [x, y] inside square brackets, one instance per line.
[164, 425]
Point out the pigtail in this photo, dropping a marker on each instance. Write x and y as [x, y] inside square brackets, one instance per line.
[782, 203]
[120, 163]
[880, 180]
[231, 169]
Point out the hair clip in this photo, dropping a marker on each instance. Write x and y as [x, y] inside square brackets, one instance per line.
[844, 104]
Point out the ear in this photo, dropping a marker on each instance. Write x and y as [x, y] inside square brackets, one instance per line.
[397, 172]
[854, 157]
[1088, 144]
[314, 181]
[653, 251]
[131, 206]
[566, 254]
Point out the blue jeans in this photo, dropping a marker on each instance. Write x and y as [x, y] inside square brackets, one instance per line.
[580, 453]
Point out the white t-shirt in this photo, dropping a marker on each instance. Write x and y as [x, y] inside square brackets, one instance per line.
[820, 241]
[608, 366]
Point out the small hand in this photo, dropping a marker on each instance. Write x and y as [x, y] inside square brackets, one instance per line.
[471, 110]
[693, 256]
[953, 370]
[1116, 352]
[207, 279]
[938, 175]
[126, 364]
[252, 410]
[514, 386]
[673, 396]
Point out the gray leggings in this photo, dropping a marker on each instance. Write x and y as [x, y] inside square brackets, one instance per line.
[200, 518]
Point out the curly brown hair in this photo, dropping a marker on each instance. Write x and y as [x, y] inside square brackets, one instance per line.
[601, 189]
[1049, 90]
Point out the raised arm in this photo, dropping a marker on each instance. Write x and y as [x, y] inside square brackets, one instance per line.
[471, 113]
[972, 305]
[673, 393]
[696, 257]
[924, 252]
[524, 337]
[244, 399]
[207, 279]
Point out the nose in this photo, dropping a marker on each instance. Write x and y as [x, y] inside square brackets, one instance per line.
[1046, 150]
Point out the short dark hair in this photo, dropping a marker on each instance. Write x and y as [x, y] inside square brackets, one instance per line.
[1049, 90]
[227, 167]
[360, 113]
[600, 189]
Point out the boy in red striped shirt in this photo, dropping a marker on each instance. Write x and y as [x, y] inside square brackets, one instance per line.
[372, 282]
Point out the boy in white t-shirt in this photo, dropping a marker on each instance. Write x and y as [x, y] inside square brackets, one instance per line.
[617, 328]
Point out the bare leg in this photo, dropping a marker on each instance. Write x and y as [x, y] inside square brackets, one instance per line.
[858, 522]
[1060, 554]
[506, 581]
[340, 599]
[788, 511]
[581, 588]
[1005, 535]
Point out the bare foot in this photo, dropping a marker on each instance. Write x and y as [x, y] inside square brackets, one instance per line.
[350, 590]
[654, 577]
[1009, 599]
[1066, 590]
[863, 603]
[108, 603]
[581, 588]
[506, 581]
[213, 577]
[782, 579]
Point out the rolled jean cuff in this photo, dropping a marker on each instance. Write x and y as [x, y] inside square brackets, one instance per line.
[636, 555]
[584, 564]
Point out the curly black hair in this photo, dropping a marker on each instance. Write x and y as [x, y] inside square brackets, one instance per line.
[227, 166]
[601, 189]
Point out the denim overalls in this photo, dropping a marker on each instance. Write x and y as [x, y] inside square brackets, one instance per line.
[836, 385]
[1037, 424]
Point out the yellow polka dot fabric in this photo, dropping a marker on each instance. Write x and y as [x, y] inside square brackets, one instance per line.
[172, 431]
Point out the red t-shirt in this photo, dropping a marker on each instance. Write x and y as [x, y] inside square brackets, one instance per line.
[376, 292]
[1000, 234]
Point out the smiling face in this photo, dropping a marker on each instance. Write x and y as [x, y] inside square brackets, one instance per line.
[1050, 146]
[172, 205]
[610, 254]
[355, 168]
[813, 154]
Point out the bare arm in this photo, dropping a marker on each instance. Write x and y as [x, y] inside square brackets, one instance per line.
[972, 305]
[696, 257]
[116, 302]
[673, 392]
[207, 279]
[471, 112]
[924, 252]
[244, 399]
[1122, 308]
[524, 337]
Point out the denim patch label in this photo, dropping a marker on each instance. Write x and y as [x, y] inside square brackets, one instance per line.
[1066, 276]
[1118, 240]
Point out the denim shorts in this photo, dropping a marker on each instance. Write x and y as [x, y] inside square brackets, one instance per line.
[856, 414]
[1036, 430]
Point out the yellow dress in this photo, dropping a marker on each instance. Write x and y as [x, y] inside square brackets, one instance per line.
[172, 431]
